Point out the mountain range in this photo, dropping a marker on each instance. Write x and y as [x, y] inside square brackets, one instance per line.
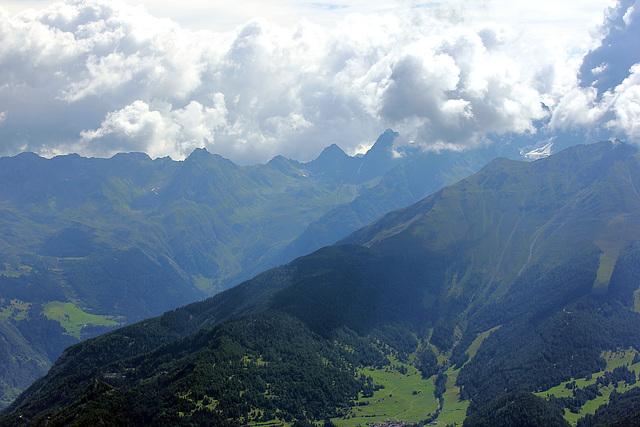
[508, 298]
[89, 244]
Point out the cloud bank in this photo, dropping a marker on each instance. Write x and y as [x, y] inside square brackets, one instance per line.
[607, 96]
[99, 77]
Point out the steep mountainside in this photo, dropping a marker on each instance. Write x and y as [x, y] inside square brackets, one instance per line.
[89, 244]
[518, 279]
[419, 176]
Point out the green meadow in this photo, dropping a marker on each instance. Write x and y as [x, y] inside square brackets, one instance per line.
[614, 359]
[453, 410]
[73, 319]
[16, 310]
[409, 397]
[405, 397]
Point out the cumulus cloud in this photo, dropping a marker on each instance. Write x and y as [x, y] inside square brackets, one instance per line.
[456, 92]
[160, 132]
[608, 65]
[98, 77]
[577, 108]
[607, 94]
[624, 103]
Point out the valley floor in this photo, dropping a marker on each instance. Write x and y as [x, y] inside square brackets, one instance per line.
[409, 398]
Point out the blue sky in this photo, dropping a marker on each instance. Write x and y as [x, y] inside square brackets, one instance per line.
[253, 79]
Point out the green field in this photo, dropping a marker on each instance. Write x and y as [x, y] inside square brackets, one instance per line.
[73, 319]
[404, 397]
[614, 359]
[9, 271]
[16, 310]
[204, 284]
[475, 345]
[409, 397]
[453, 410]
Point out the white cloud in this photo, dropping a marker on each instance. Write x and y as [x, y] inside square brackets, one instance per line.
[167, 131]
[459, 90]
[134, 123]
[577, 108]
[607, 94]
[628, 16]
[103, 74]
[98, 76]
[617, 109]
[624, 102]
[606, 65]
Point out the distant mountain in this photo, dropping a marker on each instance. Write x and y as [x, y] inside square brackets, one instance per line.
[380, 158]
[520, 278]
[88, 244]
[406, 183]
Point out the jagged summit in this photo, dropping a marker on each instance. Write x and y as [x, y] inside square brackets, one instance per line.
[379, 158]
[519, 260]
[384, 143]
[330, 156]
[333, 150]
[333, 163]
[131, 237]
[198, 153]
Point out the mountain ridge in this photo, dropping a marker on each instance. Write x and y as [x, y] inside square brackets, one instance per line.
[520, 253]
[70, 225]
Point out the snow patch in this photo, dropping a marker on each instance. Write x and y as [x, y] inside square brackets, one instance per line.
[541, 150]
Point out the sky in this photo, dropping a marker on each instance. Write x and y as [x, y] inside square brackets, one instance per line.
[254, 79]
